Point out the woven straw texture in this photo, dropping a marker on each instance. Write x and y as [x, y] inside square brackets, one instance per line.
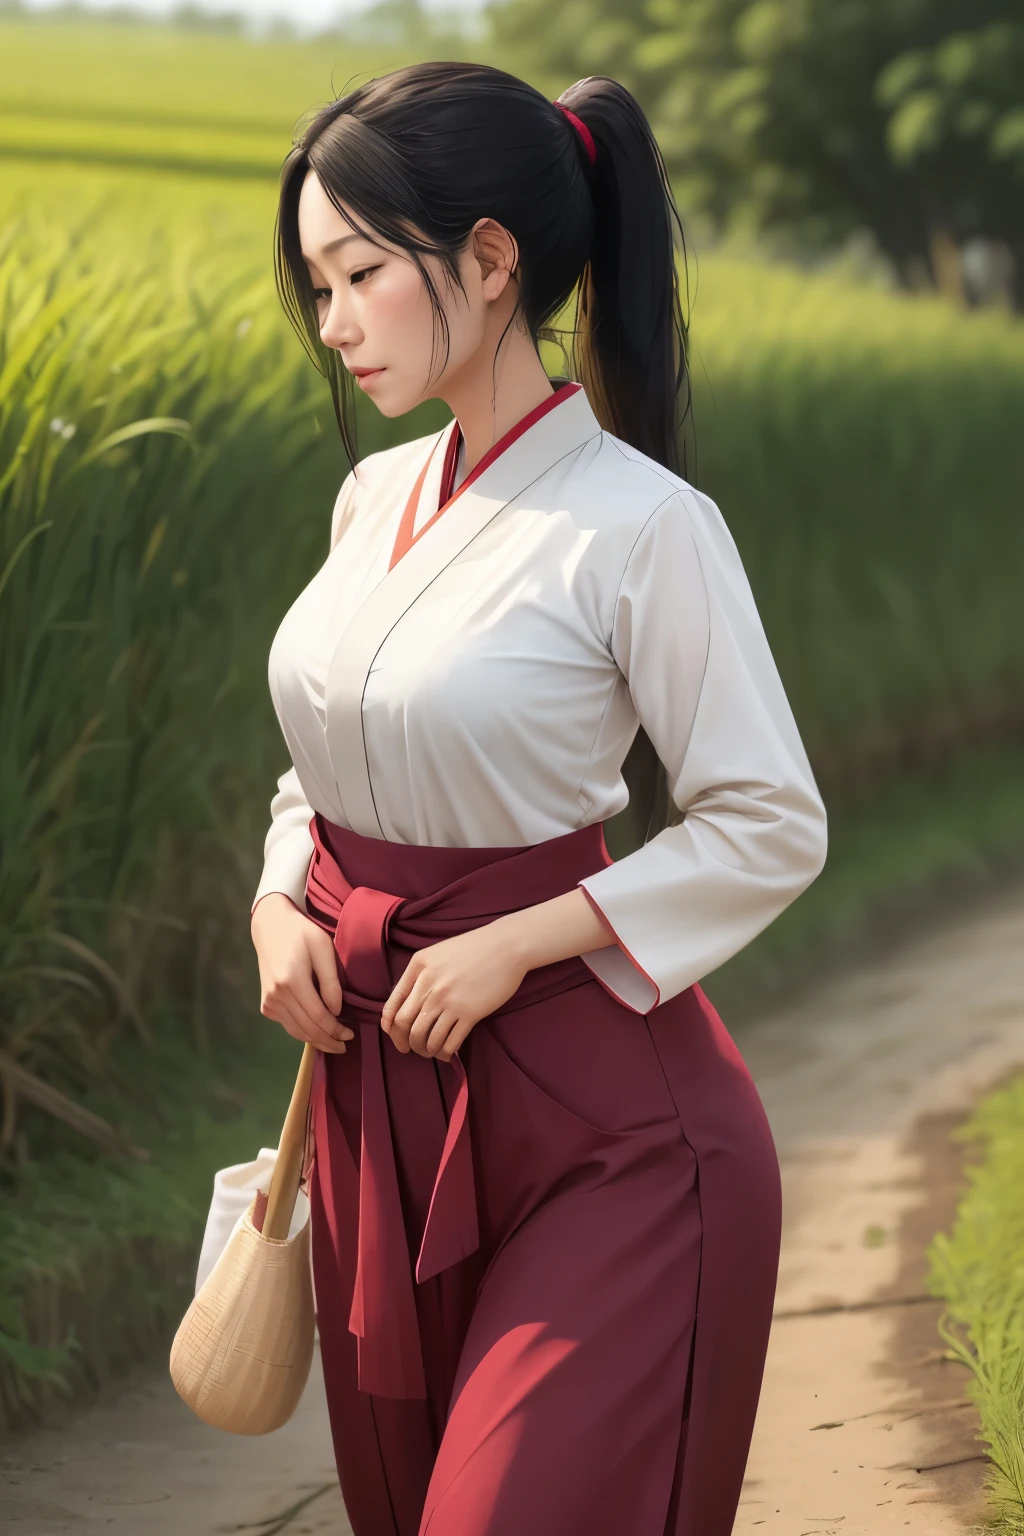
[241, 1357]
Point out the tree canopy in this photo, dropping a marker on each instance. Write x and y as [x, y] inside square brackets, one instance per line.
[816, 116]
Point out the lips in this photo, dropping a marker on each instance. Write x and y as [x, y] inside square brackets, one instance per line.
[359, 374]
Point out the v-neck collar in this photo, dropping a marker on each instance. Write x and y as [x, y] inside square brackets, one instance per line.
[406, 537]
[557, 430]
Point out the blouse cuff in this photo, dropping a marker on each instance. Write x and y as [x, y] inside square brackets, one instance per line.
[619, 972]
[286, 869]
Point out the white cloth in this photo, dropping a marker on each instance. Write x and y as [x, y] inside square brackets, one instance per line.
[233, 1191]
[486, 690]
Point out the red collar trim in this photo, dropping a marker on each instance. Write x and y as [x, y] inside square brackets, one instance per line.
[405, 538]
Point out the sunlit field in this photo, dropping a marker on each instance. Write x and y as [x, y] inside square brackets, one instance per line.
[156, 96]
[168, 464]
[170, 460]
[866, 451]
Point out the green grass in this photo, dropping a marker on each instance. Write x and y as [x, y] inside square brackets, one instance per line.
[97, 1254]
[135, 397]
[170, 147]
[167, 468]
[135, 619]
[130, 212]
[864, 448]
[166, 75]
[978, 1270]
[896, 855]
[168, 98]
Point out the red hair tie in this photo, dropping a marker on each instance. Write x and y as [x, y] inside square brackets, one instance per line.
[583, 131]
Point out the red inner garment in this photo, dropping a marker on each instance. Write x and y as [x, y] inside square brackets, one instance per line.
[405, 537]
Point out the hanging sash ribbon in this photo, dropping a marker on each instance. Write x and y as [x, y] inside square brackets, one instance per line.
[370, 927]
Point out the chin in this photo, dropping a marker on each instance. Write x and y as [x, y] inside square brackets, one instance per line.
[395, 403]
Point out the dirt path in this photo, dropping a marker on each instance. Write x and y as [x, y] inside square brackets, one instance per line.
[863, 1427]
[142, 1465]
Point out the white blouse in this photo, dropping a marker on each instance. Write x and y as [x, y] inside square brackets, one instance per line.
[485, 691]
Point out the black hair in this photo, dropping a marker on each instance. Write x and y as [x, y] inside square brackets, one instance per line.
[419, 155]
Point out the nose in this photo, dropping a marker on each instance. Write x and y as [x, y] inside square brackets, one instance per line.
[339, 329]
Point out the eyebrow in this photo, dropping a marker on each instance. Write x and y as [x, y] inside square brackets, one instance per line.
[333, 245]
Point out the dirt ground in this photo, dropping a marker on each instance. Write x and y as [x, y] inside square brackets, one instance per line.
[863, 1427]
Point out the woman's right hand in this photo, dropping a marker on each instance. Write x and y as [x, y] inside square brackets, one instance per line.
[292, 950]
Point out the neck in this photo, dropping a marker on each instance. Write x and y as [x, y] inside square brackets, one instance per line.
[495, 389]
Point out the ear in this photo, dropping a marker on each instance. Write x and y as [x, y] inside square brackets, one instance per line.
[496, 254]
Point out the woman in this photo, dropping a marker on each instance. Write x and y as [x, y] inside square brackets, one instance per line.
[545, 1196]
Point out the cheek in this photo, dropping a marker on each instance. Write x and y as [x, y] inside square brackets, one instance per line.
[465, 331]
[399, 308]
[397, 322]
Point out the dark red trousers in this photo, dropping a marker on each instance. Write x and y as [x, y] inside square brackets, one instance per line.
[544, 1272]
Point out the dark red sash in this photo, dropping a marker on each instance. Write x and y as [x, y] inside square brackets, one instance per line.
[375, 931]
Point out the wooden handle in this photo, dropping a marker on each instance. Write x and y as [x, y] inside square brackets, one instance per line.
[284, 1183]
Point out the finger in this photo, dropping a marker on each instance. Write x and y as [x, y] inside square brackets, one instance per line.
[296, 1025]
[422, 1026]
[324, 1040]
[413, 1005]
[295, 995]
[457, 1037]
[306, 1000]
[320, 1028]
[399, 992]
[324, 959]
[408, 1013]
[440, 1040]
[399, 1036]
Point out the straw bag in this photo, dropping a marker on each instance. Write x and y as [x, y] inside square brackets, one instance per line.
[241, 1357]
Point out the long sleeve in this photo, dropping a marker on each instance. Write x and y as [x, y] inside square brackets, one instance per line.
[288, 847]
[687, 637]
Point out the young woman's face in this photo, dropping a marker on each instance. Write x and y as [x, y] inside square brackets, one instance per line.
[374, 309]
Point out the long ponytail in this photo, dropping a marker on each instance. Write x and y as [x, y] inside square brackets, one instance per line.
[419, 155]
[631, 351]
[631, 342]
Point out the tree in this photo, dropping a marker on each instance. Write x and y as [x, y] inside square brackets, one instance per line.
[956, 125]
[817, 116]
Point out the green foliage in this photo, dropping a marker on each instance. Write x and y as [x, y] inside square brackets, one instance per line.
[155, 403]
[815, 116]
[967, 91]
[174, 99]
[866, 454]
[167, 464]
[98, 1255]
[978, 1269]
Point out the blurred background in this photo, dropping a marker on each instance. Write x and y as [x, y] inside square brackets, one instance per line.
[851, 178]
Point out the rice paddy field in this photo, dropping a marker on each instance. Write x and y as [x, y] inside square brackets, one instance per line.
[155, 96]
[978, 1271]
[168, 463]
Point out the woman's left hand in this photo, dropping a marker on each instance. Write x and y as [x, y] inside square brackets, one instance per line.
[449, 987]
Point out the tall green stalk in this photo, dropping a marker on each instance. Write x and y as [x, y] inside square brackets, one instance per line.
[868, 456]
[168, 461]
[978, 1269]
[153, 426]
